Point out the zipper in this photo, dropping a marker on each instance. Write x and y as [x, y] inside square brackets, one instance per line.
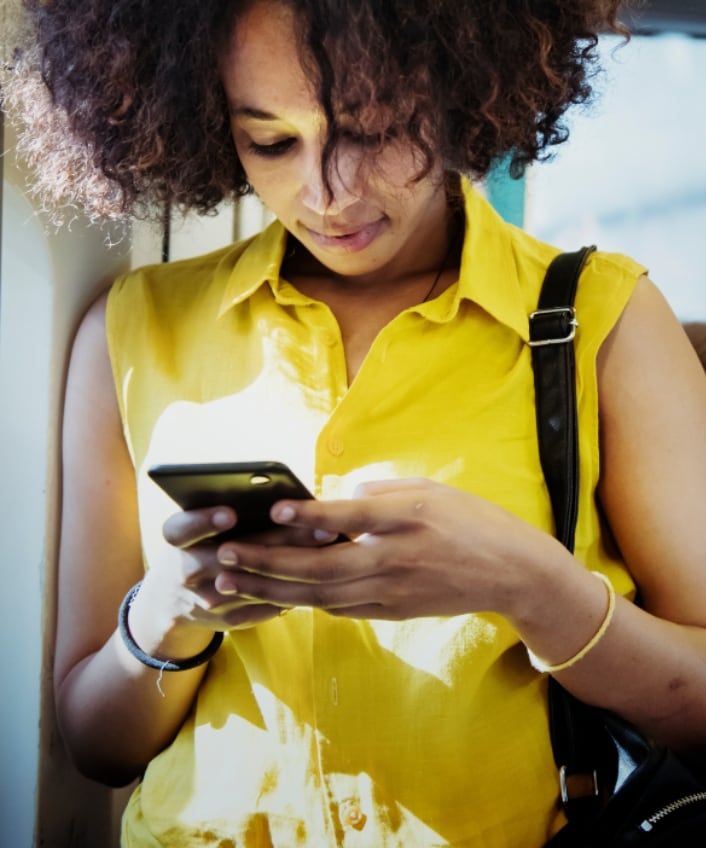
[668, 809]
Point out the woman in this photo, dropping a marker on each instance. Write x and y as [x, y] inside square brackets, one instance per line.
[375, 339]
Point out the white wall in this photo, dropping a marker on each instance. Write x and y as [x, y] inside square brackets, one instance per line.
[47, 280]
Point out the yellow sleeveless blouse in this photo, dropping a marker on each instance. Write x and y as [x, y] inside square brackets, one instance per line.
[311, 730]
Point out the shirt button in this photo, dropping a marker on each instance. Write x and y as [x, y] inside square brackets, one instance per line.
[351, 815]
[335, 447]
[328, 337]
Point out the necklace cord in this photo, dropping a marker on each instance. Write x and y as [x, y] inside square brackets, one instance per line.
[447, 255]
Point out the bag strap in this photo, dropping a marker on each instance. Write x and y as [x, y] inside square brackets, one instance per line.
[552, 330]
[575, 735]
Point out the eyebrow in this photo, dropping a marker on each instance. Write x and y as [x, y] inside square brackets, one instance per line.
[252, 112]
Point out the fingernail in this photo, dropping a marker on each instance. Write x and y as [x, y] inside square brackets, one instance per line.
[324, 535]
[221, 519]
[287, 513]
[225, 585]
[226, 556]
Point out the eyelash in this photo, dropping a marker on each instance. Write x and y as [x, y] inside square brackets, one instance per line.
[279, 148]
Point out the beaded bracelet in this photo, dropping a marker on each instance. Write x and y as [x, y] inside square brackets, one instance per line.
[540, 665]
[153, 662]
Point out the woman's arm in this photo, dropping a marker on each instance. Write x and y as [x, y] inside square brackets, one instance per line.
[115, 713]
[651, 664]
[653, 489]
[112, 714]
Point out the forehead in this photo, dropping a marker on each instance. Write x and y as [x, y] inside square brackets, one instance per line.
[261, 68]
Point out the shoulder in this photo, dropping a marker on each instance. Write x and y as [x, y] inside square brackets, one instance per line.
[194, 273]
[610, 276]
[607, 279]
[650, 376]
[648, 339]
[168, 297]
[90, 390]
[177, 289]
[605, 286]
[90, 338]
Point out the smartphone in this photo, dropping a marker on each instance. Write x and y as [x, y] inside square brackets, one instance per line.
[251, 488]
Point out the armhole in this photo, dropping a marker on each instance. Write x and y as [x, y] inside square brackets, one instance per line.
[605, 289]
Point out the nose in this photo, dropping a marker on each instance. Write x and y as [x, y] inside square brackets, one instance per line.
[343, 181]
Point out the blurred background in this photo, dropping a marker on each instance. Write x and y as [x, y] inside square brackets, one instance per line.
[632, 177]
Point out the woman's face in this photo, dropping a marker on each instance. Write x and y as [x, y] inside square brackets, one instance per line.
[378, 214]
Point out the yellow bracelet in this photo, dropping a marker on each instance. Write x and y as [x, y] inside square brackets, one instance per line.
[540, 665]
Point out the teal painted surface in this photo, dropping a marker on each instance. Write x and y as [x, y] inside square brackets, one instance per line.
[506, 195]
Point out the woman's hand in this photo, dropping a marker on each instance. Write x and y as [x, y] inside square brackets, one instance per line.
[186, 581]
[420, 549]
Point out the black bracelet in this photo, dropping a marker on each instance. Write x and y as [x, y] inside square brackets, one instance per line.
[153, 662]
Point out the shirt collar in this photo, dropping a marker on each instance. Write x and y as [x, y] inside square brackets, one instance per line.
[489, 270]
[490, 275]
[258, 262]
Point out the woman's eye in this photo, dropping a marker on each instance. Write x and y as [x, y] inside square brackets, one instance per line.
[277, 148]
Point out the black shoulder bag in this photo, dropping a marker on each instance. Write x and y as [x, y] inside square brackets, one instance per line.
[617, 788]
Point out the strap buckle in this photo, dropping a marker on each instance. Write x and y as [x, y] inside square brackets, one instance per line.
[577, 787]
[569, 315]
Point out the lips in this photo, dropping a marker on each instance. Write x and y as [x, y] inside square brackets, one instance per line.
[351, 240]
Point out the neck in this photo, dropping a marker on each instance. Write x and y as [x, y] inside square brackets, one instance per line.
[418, 275]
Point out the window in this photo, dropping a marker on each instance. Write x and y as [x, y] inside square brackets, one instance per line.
[632, 177]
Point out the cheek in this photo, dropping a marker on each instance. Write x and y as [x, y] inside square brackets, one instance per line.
[269, 185]
[269, 179]
[256, 168]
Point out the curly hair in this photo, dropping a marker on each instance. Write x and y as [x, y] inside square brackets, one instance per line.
[122, 105]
